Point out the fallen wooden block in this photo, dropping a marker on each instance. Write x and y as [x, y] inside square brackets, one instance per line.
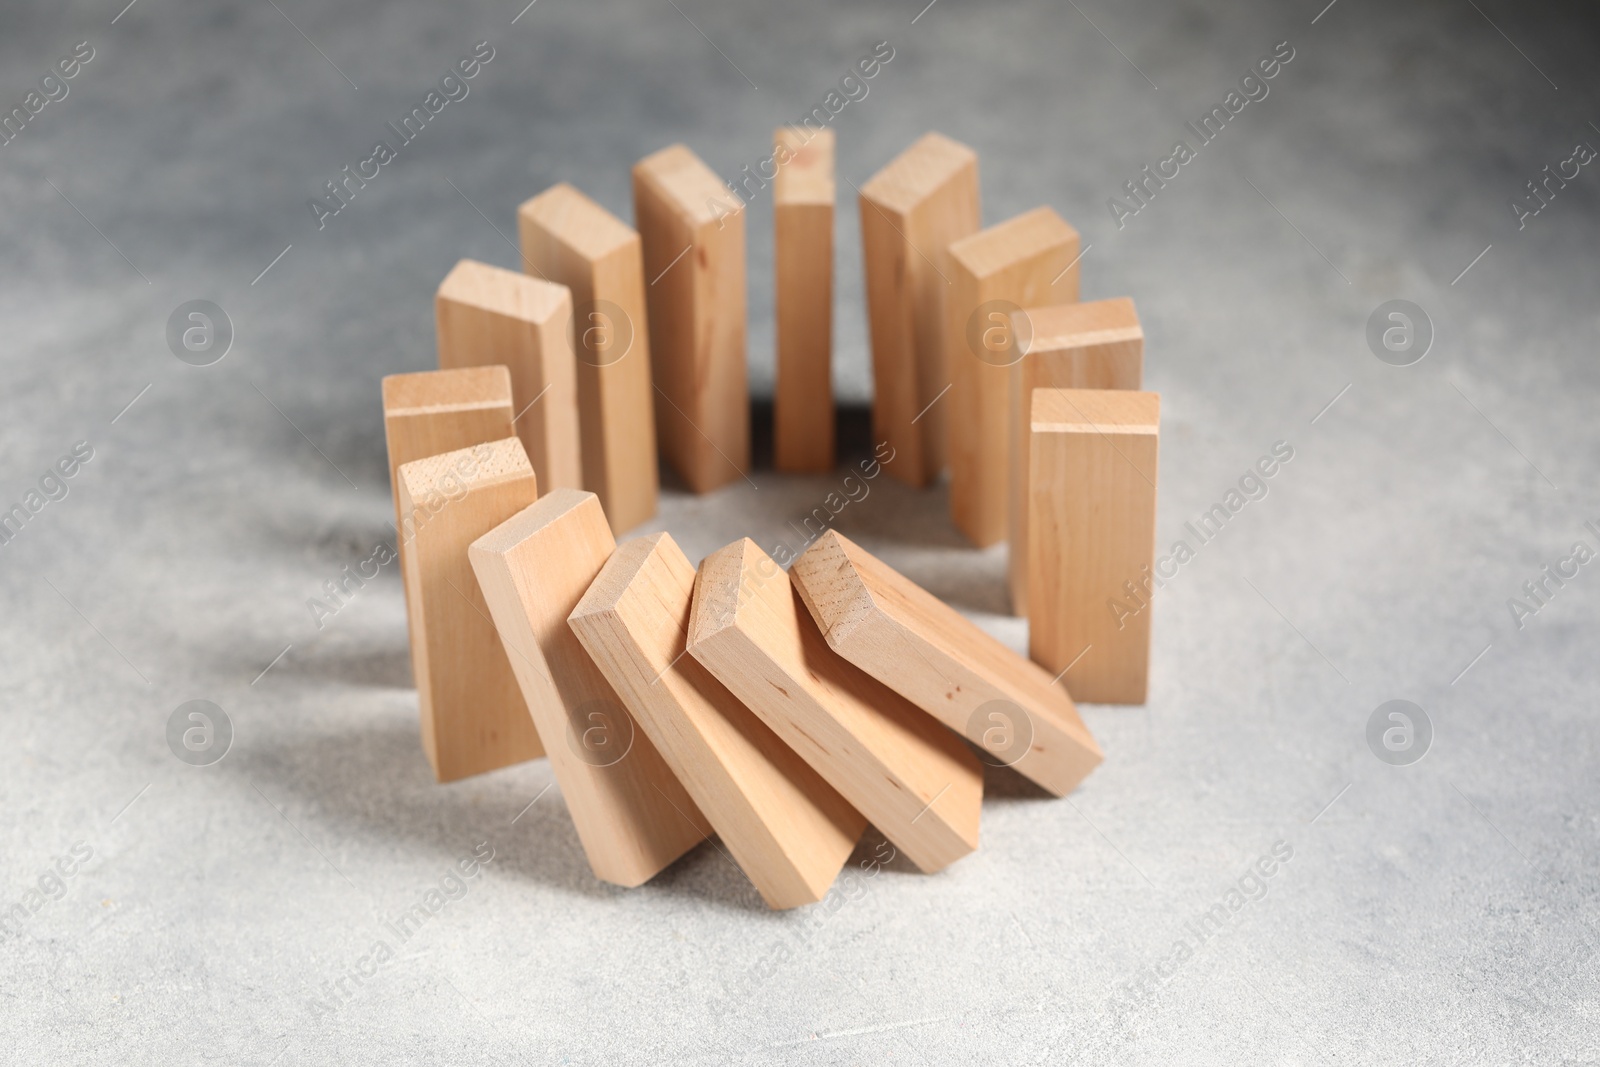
[911, 210]
[1023, 262]
[1097, 345]
[473, 715]
[913, 779]
[693, 233]
[787, 828]
[927, 652]
[570, 239]
[487, 315]
[802, 254]
[1091, 538]
[632, 815]
[437, 411]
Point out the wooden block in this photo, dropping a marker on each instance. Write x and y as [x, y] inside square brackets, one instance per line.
[1098, 345]
[926, 651]
[788, 829]
[1023, 262]
[693, 233]
[912, 778]
[473, 715]
[487, 315]
[1091, 538]
[569, 239]
[440, 411]
[911, 210]
[802, 253]
[632, 815]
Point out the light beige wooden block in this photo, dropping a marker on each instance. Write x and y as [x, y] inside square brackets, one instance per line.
[437, 411]
[911, 211]
[487, 315]
[693, 233]
[802, 253]
[473, 715]
[633, 816]
[913, 779]
[1091, 538]
[1022, 262]
[569, 239]
[926, 651]
[788, 829]
[1096, 345]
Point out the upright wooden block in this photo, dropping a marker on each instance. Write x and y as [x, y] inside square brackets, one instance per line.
[632, 815]
[927, 652]
[802, 253]
[1098, 345]
[570, 239]
[440, 411]
[788, 829]
[487, 315]
[1091, 538]
[473, 715]
[1020, 263]
[913, 779]
[693, 233]
[911, 210]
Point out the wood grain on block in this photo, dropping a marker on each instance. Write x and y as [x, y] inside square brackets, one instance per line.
[633, 816]
[1022, 262]
[692, 227]
[1096, 345]
[911, 210]
[913, 779]
[1091, 538]
[473, 715]
[788, 829]
[487, 315]
[926, 651]
[437, 411]
[802, 208]
[569, 239]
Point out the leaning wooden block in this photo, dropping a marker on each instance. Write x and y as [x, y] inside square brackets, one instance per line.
[487, 315]
[912, 778]
[438, 411]
[911, 210]
[927, 652]
[1023, 262]
[693, 233]
[802, 252]
[1091, 538]
[473, 715]
[787, 828]
[1097, 345]
[569, 239]
[632, 815]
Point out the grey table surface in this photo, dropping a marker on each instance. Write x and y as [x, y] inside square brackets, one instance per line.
[1439, 912]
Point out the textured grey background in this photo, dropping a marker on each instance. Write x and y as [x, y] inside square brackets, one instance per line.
[1438, 913]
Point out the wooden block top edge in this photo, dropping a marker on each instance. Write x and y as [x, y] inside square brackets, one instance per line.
[684, 180]
[505, 292]
[1059, 327]
[610, 586]
[476, 467]
[1107, 411]
[716, 599]
[577, 221]
[548, 509]
[1017, 238]
[839, 601]
[455, 389]
[807, 178]
[930, 162]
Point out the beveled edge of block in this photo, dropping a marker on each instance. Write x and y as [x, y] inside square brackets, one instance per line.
[452, 389]
[917, 172]
[716, 603]
[684, 180]
[504, 292]
[837, 598]
[577, 221]
[610, 586]
[1119, 411]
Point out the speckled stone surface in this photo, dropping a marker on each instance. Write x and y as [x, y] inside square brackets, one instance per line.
[1443, 912]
